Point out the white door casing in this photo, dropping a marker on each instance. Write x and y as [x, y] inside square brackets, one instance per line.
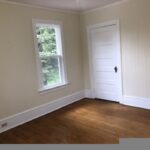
[104, 56]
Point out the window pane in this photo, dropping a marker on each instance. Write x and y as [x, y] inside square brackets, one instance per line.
[46, 37]
[50, 55]
[51, 71]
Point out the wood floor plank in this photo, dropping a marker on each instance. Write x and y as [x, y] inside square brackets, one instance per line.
[84, 122]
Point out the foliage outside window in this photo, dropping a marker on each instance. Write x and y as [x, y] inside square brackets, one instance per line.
[49, 45]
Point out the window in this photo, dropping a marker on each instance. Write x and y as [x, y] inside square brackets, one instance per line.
[49, 50]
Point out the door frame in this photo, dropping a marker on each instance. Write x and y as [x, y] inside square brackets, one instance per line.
[119, 57]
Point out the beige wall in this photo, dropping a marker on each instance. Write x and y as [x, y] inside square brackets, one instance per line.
[18, 76]
[134, 16]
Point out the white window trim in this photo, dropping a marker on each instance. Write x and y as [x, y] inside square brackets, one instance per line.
[41, 88]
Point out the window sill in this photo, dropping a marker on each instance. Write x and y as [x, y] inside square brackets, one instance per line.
[52, 89]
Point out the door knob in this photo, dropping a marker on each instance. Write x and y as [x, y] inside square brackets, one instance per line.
[116, 69]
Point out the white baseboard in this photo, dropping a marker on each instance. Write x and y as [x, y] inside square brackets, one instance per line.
[31, 114]
[137, 102]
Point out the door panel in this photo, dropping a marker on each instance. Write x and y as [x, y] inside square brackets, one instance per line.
[104, 53]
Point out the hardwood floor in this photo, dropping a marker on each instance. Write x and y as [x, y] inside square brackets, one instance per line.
[84, 122]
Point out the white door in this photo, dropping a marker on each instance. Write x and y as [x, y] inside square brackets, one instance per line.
[105, 62]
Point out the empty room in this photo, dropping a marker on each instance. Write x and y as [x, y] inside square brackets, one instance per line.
[74, 72]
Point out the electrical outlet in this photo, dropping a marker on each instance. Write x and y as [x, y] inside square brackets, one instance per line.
[4, 125]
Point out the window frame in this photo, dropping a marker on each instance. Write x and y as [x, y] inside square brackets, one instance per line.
[61, 55]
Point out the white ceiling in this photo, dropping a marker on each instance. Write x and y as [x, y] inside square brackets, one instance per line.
[71, 5]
